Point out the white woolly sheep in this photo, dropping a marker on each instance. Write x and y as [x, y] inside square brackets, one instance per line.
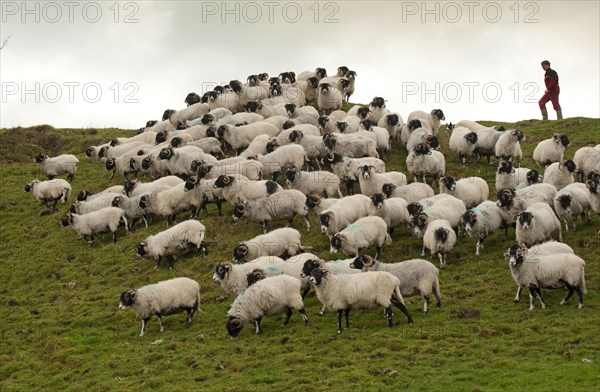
[423, 162]
[560, 174]
[450, 209]
[51, 190]
[372, 182]
[354, 145]
[131, 207]
[189, 113]
[587, 160]
[205, 191]
[168, 203]
[572, 200]
[382, 137]
[463, 142]
[321, 183]
[377, 109]
[283, 158]
[350, 169]
[135, 187]
[482, 221]
[345, 212]
[552, 271]
[417, 276]
[258, 146]
[512, 203]
[85, 207]
[146, 137]
[158, 126]
[440, 239]
[508, 147]
[267, 297]
[318, 73]
[393, 123]
[123, 164]
[434, 118]
[367, 231]
[551, 150]
[284, 242]
[313, 146]
[283, 205]
[408, 128]
[393, 211]
[240, 137]
[179, 160]
[329, 98]
[251, 169]
[108, 152]
[236, 189]
[487, 139]
[471, 190]
[319, 204]
[416, 207]
[366, 290]
[349, 124]
[411, 192]
[161, 299]
[536, 224]
[55, 166]
[95, 222]
[85, 195]
[92, 152]
[422, 135]
[507, 176]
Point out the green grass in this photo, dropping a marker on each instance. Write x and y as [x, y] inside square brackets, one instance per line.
[59, 337]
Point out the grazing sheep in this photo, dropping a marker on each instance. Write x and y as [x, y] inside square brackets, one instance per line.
[329, 98]
[572, 200]
[283, 205]
[551, 150]
[345, 212]
[463, 142]
[366, 290]
[367, 231]
[560, 174]
[88, 225]
[393, 211]
[51, 190]
[417, 276]
[174, 241]
[508, 176]
[423, 162]
[321, 183]
[284, 242]
[482, 221]
[551, 271]
[439, 238]
[267, 297]
[587, 160]
[508, 147]
[411, 192]
[471, 190]
[536, 224]
[161, 299]
[52, 167]
[350, 169]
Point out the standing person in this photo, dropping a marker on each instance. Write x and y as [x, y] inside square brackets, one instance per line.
[552, 92]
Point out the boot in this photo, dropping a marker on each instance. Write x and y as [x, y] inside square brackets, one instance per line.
[544, 113]
[559, 114]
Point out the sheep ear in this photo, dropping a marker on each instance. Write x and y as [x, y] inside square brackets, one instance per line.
[236, 323]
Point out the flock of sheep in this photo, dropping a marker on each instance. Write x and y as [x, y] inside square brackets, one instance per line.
[276, 139]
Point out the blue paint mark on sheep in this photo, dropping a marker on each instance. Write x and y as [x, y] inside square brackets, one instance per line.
[272, 270]
[352, 227]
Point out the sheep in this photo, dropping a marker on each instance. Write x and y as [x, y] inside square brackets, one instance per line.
[422, 135]
[560, 174]
[267, 297]
[168, 203]
[304, 112]
[451, 210]
[348, 124]
[250, 169]
[310, 89]
[318, 204]
[423, 162]
[411, 192]
[210, 145]
[132, 209]
[258, 146]
[531, 178]
[101, 201]
[204, 190]
[236, 189]
[367, 231]
[108, 152]
[551, 150]
[319, 73]
[135, 187]
[227, 100]
[240, 137]
[417, 276]
[392, 211]
[92, 152]
[463, 142]
[507, 176]
[508, 147]
[284, 242]
[487, 139]
[439, 238]
[283, 205]
[321, 183]
[329, 98]
[171, 242]
[372, 182]
[179, 160]
[382, 137]
[247, 93]
[267, 109]
[51, 190]
[350, 169]
[551, 271]
[416, 207]
[85, 195]
[90, 224]
[377, 109]
[52, 167]
[471, 190]
[572, 200]
[393, 123]
[345, 212]
[159, 126]
[536, 224]
[434, 118]
[482, 221]
[512, 203]
[594, 195]
[189, 113]
[473, 126]
[352, 145]
[122, 164]
[366, 290]
[327, 124]
[351, 76]
[313, 145]
[284, 137]
[408, 128]
[283, 158]
[147, 137]
[163, 298]
[587, 159]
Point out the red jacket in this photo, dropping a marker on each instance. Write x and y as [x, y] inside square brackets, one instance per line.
[551, 80]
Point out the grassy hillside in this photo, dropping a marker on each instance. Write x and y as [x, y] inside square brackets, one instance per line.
[61, 329]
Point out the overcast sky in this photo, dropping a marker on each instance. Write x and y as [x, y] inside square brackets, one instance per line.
[106, 64]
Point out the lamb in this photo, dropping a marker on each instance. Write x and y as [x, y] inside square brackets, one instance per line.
[434, 118]
[377, 109]
[482, 221]
[451, 210]
[318, 204]
[508, 147]
[135, 187]
[174, 241]
[417, 276]
[372, 182]
[423, 162]
[471, 190]
[393, 123]
[392, 211]
[367, 231]
[313, 145]
[366, 290]
[51, 190]
[350, 169]
[283, 158]
[52, 167]
[508, 176]
[329, 98]
[163, 298]
[440, 239]
[283, 205]
[352, 145]
[267, 297]
[321, 183]
[88, 225]
[551, 271]
[587, 159]
[284, 242]
[551, 150]
[536, 224]
[572, 200]
[560, 174]
[236, 189]
[345, 212]
[412, 192]
[463, 142]
[131, 207]
[487, 139]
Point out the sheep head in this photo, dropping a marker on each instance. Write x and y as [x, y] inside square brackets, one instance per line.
[167, 114]
[378, 199]
[388, 189]
[309, 266]
[191, 99]
[317, 276]
[166, 153]
[127, 298]
[255, 276]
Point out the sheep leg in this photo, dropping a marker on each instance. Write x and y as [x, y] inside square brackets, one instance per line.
[170, 262]
[306, 222]
[389, 314]
[288, 315]
[114, 236]
[425, 303]
[442, 262]
[158, 262]
[144, 322]
[347, 314]
[566, 223]
[350, 187]
[569, 294]
[400, 305]
[423, 251]
[378, 252]
[305, 292]
[579, 296]
[162, 327]
[518, 296]
[560, 239]
[304, 317]
[531, 297]
[257, 325]
[113, 174]
[265, 226]
[322, 311]
[190, 314]
[539, 295]
[54, 205]
[218, 203]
